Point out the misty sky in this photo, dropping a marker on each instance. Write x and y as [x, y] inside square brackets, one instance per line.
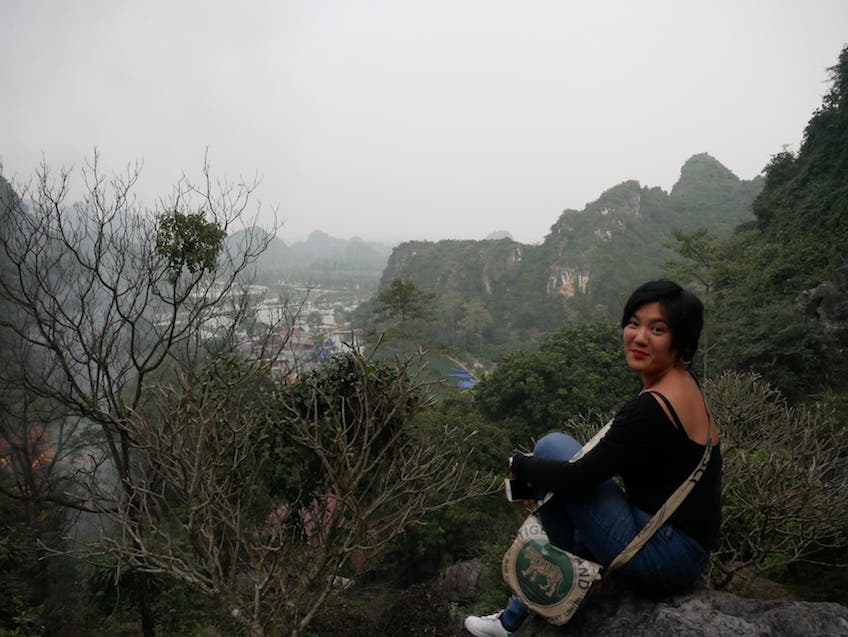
[395, 120]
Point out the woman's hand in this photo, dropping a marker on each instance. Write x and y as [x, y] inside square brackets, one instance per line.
[512, 474]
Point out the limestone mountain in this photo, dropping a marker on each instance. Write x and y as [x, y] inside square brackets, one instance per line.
[587, 263]
[598, 254]
[708, 190]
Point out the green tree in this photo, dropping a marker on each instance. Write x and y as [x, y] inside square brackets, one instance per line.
[188, 241]
[577, 370]
[402, 302]
[450, 309]
[797, 243]
[476, 319]
[699, 264]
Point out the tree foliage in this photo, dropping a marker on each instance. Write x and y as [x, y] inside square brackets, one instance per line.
[188, 241]
[476, 318]
[506, 277]
[799, 241]
[403, 303]
[697, 267]
[578, 369]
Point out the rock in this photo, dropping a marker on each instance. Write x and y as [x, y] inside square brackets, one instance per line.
[616, 611]
[703, 613]
[828, 302]
[464, 581]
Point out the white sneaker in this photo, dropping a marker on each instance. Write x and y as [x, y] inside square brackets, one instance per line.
[488, 626]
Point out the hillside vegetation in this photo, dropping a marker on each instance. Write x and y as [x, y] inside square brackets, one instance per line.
[780, 296]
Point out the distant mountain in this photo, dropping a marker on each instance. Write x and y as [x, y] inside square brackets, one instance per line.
[321, 250]
[499, 234]
[590, 260]
[319, 253]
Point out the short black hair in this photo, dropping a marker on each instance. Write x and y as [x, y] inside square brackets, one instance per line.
[684, 313]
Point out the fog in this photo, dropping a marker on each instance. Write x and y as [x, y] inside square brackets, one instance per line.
[395, 120]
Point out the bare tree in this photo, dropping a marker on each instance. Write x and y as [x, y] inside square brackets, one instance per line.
[785, 488]
[114, 298]
[261, 496]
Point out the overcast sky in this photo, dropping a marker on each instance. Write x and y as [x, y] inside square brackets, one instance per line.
[395, 120]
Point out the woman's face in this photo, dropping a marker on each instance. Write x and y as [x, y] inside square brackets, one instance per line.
[647, 342]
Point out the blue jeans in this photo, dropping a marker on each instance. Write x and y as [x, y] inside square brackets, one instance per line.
[598, 525]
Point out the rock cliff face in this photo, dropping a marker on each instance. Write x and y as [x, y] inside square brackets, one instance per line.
[581, 244]
[567, 281]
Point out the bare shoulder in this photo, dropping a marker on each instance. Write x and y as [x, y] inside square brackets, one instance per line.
[686, 398]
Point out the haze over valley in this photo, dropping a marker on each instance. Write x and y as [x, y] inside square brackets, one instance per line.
[398, 121]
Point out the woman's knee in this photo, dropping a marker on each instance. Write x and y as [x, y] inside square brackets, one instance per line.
[556, 446]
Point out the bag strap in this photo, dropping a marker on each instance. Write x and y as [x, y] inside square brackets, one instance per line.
[670, 506]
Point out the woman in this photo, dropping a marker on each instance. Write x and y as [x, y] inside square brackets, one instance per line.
[654, 443]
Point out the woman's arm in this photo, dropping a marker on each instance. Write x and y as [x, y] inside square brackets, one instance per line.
[614, 453]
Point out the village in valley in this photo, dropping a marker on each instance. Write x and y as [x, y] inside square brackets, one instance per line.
[298, 326]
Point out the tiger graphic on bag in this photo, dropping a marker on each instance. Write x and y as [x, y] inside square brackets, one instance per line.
[540, 567]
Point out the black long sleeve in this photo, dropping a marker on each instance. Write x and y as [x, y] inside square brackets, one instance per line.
[614, 454]
[652, 456]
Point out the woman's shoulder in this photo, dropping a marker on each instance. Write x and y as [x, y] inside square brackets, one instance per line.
[641, 409]
[683, 402]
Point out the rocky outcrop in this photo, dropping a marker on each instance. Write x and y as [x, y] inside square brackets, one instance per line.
[828, 302]
[616, 611]
[567, 281]
[580, 232]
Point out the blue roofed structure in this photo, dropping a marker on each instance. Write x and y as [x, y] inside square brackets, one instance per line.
[464, 378]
